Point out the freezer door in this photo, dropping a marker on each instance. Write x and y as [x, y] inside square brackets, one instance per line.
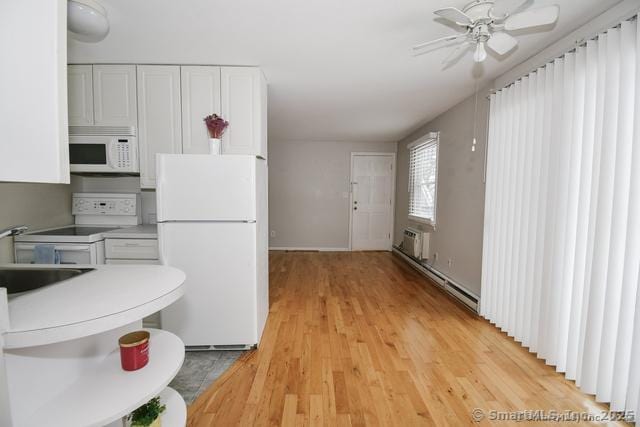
[200, 187]
[219, 260]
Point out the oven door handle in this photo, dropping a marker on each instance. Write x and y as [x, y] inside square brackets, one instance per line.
[68, 248]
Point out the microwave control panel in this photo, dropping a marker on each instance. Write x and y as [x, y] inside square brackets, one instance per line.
[123, 160]
[86, 204]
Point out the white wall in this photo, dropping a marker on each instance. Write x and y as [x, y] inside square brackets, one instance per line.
[460, 195]
[35, 205]
[309, 192]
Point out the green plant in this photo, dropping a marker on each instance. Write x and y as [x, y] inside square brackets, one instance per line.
[146, 414]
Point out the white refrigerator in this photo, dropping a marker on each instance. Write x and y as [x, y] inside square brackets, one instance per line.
[213, 225]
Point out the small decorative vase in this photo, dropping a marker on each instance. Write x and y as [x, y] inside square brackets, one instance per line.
[215, 146]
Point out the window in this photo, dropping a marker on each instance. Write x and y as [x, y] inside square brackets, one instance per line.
[423, 178]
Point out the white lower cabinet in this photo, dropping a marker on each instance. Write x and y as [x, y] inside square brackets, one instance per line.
[130, 252]
[159, 117]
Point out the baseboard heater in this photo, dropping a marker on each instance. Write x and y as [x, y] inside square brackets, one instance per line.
[454, 289]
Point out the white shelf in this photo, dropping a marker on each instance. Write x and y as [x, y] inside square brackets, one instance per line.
[176, 412]
[174, 416]
[92, 303]
[107, 393]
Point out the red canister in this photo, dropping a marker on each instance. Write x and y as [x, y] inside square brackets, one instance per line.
[134, 350]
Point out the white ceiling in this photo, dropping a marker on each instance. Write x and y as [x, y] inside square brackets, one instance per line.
[338, 70]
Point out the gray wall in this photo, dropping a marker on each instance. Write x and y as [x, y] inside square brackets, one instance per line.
[36, 205]
[460, 200]
[309, 192]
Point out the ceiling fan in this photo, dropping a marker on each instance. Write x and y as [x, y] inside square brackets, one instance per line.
[486, 23]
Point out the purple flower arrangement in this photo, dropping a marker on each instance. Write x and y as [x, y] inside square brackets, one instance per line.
[216, 126]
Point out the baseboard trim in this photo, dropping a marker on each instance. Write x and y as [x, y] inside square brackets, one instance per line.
[310, 249]
[458, 291]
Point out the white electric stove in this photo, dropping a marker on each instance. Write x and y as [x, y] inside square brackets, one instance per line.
[83, 242]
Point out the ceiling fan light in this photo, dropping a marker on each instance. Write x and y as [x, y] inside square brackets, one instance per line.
[480, 54]
[87, 19]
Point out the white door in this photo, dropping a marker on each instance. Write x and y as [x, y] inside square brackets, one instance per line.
[243, 102]
[219, 304]
[80, 92]
[372, 199]
[159, 117]
[200, 98]
[114, 92]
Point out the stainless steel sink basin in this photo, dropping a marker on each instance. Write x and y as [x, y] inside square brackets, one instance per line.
[18, 280]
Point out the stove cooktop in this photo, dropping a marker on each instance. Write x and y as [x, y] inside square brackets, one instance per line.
[74, 231]
[69, 234]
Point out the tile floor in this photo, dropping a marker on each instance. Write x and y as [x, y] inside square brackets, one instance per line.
[200, 369]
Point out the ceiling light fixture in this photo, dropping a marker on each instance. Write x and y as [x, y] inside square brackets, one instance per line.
[480, 54]
[87, 20]
[486, 24]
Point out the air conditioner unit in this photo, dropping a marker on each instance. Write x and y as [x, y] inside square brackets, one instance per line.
[416, 243]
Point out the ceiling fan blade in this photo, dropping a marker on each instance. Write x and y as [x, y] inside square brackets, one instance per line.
[501, 43]
[504, 7]
[456, 54]
[440, 40]
[532, 18]
[454, 15]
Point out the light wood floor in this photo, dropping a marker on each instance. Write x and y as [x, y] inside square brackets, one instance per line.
[362, 339]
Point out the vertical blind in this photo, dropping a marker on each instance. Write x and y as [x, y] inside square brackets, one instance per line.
[561, 250]
[423, 173]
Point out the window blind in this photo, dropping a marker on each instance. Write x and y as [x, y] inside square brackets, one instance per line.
[562, 237]
[423, 175]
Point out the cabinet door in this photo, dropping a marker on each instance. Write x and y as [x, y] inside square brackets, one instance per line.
[80, 90]
[200, 98]
[159, 117]
[244, 106]
[114, 90]
[33, 95]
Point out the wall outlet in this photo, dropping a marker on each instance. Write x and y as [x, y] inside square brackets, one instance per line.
[449, 262]
[273, 233]
[435, 256]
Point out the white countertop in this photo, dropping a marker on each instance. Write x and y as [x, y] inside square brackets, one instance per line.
[94, 302]
[145, 231]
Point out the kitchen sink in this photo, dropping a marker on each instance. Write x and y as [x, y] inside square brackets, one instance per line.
[18, 280]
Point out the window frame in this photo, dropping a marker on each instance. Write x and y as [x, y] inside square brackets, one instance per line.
[425, 140]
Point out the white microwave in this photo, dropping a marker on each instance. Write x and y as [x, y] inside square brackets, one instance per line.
[103, 154]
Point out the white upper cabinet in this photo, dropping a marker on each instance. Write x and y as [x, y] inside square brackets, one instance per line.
[244, 106]
[102, 95]
[114, 92]
[33, 92]
[159, 117]
[80, 89]
[200, 98]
